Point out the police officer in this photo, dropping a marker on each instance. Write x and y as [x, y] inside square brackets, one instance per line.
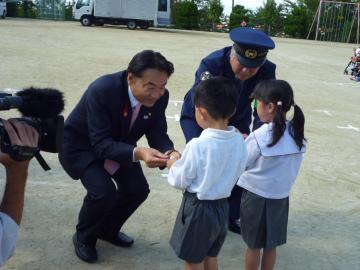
[245, 64]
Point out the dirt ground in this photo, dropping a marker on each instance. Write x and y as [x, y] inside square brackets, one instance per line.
[324, 221]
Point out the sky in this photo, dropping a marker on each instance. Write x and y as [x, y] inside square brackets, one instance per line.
[249, 4]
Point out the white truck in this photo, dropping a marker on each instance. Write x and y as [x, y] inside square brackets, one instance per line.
[3, 9]
[133, 13]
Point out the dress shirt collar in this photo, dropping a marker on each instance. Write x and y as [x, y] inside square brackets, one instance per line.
[219, 133]
[133, 101]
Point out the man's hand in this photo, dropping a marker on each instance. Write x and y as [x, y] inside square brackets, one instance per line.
[175, 155]
[152, 157]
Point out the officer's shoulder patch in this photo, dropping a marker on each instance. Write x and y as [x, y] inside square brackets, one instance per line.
[205, 75]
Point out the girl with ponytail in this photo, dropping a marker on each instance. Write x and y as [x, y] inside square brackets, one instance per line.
[275, 153]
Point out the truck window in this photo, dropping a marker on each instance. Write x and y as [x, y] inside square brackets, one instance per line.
[162, 5]
[81, 3]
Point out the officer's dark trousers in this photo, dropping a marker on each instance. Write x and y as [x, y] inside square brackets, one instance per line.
[107, 206]
[234, 203]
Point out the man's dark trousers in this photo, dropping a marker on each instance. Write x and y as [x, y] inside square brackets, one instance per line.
[107, 205]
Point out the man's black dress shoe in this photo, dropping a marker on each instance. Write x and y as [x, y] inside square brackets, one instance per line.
[234, 226]
[121, 240]
[84, 252]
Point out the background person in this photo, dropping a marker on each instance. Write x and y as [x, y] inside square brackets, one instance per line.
[12, 204]
[245, 64]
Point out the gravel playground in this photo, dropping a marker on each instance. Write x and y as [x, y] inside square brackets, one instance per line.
[324, 221]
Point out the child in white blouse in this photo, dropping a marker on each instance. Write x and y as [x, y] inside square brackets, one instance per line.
[207, 172]
[275, 154]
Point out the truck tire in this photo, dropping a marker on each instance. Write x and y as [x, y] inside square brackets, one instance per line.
[144, 25]
[86, 21]
[131, 25]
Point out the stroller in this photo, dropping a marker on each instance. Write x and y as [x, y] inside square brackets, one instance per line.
[354, 63]
[353, 66]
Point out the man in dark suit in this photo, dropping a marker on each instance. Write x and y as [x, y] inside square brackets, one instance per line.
[100, 149]
[245, 64]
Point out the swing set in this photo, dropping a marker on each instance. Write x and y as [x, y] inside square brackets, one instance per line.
[336, 22]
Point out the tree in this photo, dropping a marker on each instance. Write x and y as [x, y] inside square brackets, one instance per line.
[299, 16]
[296, 23]
[239, 14]
[270, 17]
[215, 12]
[185, 15]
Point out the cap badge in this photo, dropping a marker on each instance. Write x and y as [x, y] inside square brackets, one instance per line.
[252, 54]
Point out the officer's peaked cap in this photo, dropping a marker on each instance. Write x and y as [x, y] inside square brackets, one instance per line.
[251, 46]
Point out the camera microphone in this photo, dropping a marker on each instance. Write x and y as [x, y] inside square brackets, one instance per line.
[40, 102]
[40, 108]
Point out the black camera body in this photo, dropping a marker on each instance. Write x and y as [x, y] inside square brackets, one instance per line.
[41, 109]
[50, 138]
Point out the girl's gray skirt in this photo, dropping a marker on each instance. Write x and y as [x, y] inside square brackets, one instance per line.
[263, 221]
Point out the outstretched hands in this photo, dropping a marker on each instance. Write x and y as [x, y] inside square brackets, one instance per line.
[152, 157]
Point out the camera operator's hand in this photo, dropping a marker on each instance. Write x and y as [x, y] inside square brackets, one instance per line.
[20, 134]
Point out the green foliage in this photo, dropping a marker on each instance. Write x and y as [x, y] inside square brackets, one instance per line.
[270, 17]
[210, 13]
[238, 15]
[215, 11]
[49, 9]
[69, 12]
[25, 9]
[204, 21]
[296, 23]
[185, 15]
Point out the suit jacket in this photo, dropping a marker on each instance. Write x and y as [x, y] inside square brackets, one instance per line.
[98, 127]
[218, 64]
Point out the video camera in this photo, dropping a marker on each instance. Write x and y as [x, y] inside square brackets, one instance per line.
[41, 109]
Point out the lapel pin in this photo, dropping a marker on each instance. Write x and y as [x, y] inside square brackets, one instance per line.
[125, 111]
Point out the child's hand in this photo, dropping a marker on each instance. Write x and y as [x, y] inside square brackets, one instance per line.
[170, 162]
[174, 156]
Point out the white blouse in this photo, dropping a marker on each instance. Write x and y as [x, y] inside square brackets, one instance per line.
[271, 171]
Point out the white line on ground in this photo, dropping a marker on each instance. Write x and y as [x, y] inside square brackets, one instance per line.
[176, 102]
[350, 127]
[176, 117]
[324, 111]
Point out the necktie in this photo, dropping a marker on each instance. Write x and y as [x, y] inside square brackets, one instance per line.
[134, 115]
[112, 166]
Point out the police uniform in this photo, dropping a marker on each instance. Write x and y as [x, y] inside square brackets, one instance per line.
[251, 47]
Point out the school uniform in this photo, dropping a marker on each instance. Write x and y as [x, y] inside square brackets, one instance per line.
[269, 175]
[207, 172]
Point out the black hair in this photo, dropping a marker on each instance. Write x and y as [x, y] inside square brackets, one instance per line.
[280, 93]
[149, 59]
[218, 96]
